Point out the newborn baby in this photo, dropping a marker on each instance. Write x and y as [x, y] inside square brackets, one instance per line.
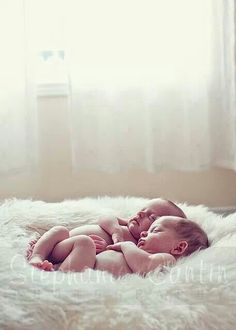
[167, 239]
[57, 244]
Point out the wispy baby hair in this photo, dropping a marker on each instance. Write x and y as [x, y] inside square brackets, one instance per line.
[179, 213]
[193, 234]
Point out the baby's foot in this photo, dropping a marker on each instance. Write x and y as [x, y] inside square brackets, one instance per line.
[38, 262]
[47, 265]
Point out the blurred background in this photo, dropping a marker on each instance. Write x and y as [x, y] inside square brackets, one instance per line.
[118, 98]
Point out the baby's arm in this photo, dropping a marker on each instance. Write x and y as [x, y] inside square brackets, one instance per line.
[140, 261]
[112, 227]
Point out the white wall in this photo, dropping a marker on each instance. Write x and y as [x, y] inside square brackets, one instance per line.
[216, 187]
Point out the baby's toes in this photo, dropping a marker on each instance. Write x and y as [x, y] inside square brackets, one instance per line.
[44, 265]
[36, 262]
[47, 266]
[50, 267]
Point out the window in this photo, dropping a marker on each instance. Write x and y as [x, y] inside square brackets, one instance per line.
[44, 26]
[124, 40]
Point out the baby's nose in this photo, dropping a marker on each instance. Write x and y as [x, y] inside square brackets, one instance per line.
[143, 234]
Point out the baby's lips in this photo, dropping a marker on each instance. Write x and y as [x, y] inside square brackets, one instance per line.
[141, 241]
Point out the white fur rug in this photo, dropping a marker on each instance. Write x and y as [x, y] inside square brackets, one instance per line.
[198, 293]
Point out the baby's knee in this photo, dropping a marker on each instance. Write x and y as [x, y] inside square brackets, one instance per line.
[62, 231]
[84, 241]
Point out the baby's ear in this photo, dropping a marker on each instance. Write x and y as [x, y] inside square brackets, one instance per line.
[179, 248]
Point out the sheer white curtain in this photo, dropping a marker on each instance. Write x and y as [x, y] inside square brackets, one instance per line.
[152, 84]
[18, 152]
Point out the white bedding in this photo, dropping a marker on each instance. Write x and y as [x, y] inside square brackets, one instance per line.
[199, 292]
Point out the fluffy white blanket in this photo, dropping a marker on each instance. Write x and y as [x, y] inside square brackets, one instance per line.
[199, 292]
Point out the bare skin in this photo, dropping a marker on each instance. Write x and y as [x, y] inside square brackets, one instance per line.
[58, 247]
[112, 262]
[157, 247]
[57, 243]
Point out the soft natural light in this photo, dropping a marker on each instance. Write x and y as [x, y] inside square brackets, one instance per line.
[134, 42]
[45, 32]
[121, 42]
[148, 84]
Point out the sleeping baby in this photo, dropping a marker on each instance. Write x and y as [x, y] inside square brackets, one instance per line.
[167, 239]
[57, 244]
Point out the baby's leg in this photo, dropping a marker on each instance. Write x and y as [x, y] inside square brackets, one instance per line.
[82, 255]
[45, 245]
[63, 249]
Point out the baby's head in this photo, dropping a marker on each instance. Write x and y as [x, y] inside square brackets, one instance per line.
[154, 209]
[174, 235]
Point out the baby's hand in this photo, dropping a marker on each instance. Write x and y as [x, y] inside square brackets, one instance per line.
[117, 236]
[99, 242]
[115, 247]
[122, 221]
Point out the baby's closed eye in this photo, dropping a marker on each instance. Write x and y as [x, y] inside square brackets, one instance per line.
[152, 217]
[156, 230]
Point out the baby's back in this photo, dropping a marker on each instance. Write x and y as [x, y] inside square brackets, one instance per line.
[113, 262]
[97, 230]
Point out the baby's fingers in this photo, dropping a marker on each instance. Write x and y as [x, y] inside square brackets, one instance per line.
[113, 247]
[100, 248]
[97, 238]
[116, 247]
[99, 244]
[116, 239]
[122, 221]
